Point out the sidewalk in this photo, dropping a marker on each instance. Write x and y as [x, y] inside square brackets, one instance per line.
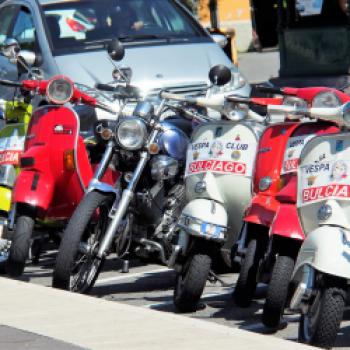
[99, 324]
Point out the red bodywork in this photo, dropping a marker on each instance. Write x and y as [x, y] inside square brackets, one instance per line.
[275, 208]
[46, 181]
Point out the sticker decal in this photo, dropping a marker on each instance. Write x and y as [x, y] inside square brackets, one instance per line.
[292, 153]
[323, 181]
[10, 148]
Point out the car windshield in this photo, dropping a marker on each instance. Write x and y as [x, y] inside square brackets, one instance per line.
[88, 24]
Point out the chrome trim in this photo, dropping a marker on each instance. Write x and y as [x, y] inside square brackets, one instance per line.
[96, 185]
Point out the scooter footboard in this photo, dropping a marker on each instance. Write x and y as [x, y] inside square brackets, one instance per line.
[204, 218]
[326, 249]
[34, 188]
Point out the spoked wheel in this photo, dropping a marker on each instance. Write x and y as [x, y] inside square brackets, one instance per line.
[320, 325]
[277, 291]
[190, 283]
[248, 277]
[77, 265]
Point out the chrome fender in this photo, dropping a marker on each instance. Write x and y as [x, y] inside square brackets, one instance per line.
[199, 213]
[326, 249]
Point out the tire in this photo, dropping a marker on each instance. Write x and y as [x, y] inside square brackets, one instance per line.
[277, 292]
[189, 284]
[319, 327]
[20, 246]
[76, 233]
[248, 277]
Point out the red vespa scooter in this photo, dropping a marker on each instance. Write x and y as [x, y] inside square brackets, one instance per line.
[55, 165]
[272, 233]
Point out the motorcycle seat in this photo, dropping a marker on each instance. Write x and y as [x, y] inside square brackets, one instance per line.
[184, 125]
[288, 194]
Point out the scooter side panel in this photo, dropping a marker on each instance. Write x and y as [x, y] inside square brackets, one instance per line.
[326, 249]
[5, 199]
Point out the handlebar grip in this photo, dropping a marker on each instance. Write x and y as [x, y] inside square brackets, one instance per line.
[238, 99]
[269, 89]
[10, 83]
[105, 87]
[176, 97]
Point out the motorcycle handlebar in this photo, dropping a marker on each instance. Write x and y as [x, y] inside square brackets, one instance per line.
[105, 87]
[269, 89]
[10, 83]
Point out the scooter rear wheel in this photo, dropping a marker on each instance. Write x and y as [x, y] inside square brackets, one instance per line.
[248, 277]
[190, 283]
[77, 266]
[20, 245]
[320, 325]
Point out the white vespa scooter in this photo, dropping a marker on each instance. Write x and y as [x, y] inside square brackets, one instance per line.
[218, 180]
[322, 270]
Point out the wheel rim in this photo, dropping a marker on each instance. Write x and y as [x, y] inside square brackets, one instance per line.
[311, 318]
[86, 264]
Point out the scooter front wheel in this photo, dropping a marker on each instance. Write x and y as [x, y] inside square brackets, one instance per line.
[77, 266]
[248, 276]
[320, 325]
[190, 283]
[20, 245]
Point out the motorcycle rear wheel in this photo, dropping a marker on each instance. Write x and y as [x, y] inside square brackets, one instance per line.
[20, 245]
[190, 283]
[320, 325]
[77, 266]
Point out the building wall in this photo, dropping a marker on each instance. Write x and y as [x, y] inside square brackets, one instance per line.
[233, 14]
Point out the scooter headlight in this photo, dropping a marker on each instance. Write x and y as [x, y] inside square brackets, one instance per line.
[60, 90]
[131, 133]
[326, 99]
[265, 183]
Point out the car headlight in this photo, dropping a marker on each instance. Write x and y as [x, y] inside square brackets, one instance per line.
[237, 81]
[326, 99]
[131, 133]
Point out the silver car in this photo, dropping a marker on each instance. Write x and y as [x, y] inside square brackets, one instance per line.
[165, 46]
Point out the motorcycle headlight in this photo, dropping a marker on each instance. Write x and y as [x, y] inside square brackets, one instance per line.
[59, 90]
[131, 133]
[237, 81]
[326, 99]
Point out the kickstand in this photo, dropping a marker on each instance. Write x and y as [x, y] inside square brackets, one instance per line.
[213, 277]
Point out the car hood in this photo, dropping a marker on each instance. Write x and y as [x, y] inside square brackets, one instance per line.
[153, 67]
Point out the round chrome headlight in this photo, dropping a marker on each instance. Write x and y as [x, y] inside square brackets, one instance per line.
[60, 90]
[326, 99]
[265, 183]
[131, 133]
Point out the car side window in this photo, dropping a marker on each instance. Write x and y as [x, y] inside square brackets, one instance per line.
[7, 15]
[24, 30]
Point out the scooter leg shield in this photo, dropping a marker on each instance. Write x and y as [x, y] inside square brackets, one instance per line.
[326, 249]
[204, 218]
[5, 199]
[34, 188]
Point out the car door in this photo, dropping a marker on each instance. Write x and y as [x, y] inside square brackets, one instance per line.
[7, 17]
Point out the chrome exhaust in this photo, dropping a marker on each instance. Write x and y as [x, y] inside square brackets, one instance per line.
[157, 246]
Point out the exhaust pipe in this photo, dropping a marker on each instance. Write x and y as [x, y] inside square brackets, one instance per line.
[158, 247]
[304, 289]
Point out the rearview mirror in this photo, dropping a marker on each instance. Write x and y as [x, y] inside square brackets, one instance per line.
[219, 75]
[116, 50]
[220, 39]
[10, 49]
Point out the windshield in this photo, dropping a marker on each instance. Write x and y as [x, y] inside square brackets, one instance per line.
[84, 25]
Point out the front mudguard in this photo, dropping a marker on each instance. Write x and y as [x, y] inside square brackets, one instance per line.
[5, 199]
[286, 223]
[34, 188]
[326, 249]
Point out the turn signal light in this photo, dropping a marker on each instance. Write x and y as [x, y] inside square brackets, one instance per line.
[68, 160]
[153, 148]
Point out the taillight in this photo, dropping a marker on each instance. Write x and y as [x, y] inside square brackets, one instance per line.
[68, 159]
[74, 25]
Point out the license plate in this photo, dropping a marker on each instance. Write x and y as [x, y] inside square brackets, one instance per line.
[212, 231]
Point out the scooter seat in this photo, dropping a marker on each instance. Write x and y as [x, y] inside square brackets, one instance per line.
[288, 194]
[87, 117]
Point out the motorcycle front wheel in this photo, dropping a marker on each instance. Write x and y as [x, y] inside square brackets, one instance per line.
[77, 266]
[320, 325]
[190, 283]
[20, 245]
